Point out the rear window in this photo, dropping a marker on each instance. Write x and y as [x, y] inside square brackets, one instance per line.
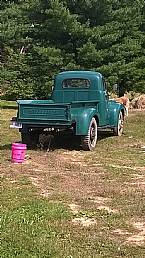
[76, 83]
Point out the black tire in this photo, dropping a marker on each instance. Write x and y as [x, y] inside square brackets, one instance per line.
[88, 141]
[118, 130]
[30, 138]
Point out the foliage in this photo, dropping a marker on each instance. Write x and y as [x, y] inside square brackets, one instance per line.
[40, 37]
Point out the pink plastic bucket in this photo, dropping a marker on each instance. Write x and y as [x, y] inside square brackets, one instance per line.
[18, 152]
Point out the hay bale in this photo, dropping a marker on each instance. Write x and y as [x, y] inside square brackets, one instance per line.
[138, 102]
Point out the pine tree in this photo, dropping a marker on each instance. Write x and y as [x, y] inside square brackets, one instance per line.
[41, 37]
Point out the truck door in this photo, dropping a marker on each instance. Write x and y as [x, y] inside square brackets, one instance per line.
[104, 104]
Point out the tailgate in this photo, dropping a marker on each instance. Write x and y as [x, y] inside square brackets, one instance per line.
[44, 112]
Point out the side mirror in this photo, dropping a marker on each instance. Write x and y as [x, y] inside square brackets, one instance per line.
[115, 87]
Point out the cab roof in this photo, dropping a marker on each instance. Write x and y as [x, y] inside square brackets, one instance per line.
[79, 73]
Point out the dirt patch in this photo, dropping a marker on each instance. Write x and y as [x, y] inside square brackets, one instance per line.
[85, 222]
[45, 193]
[138, 181]
[121, 232]
[133, 238]
[74, 208]
[99, 199]
[57, 173]
[127, 167]
[36, 181]
[139, 238]
[108, 209]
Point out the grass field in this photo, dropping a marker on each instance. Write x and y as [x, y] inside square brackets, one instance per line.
[74, 204]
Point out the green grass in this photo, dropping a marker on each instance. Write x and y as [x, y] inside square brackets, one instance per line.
[36, 225]
[8, 104]
[31, 226]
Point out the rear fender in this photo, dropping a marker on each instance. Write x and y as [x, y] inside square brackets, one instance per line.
[83, 121]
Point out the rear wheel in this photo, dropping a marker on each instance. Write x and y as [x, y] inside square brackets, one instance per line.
[118, 130]
[88, 141]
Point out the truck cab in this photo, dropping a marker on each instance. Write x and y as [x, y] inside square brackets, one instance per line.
[82, 87]
[79, 101]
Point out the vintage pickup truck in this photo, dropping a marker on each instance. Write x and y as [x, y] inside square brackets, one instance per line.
[79, 102]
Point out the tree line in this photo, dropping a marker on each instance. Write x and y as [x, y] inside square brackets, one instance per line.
[39, 38]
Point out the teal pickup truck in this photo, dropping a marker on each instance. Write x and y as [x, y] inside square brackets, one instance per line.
[79, 102]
